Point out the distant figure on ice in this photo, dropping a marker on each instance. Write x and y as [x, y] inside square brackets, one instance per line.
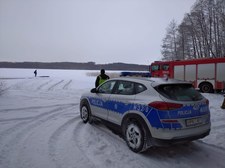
[35, 73]
[101, 78]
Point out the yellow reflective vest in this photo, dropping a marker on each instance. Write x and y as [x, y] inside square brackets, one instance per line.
[101, 80]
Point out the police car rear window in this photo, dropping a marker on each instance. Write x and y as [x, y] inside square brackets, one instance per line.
[140, 88]
[179, 92]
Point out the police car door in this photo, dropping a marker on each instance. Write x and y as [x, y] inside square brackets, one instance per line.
[121, 100]
[102, 99]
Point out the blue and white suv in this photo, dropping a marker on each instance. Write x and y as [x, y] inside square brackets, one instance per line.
[149, 111]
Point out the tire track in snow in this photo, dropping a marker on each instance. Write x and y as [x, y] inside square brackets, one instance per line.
[11, 138]
[34, 118]
[36, 107]
[62, 137]
[10, 130]
[222, 126]
[25, 84]
[20, 125]
[65, 87]
[104, 148]
[218, 123]
[54, 85]
[188, 155]
[222, 149]
[77, 131]
[16, 119]
[43, 85]
[17, 86]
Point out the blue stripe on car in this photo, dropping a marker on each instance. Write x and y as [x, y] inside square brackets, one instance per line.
[153, 115]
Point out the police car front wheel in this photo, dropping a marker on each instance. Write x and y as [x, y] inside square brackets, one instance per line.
[85, 113]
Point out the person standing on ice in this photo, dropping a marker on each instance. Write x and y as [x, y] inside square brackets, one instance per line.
[101, 78]
[35, 73]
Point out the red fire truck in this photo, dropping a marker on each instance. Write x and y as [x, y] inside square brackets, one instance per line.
[206, 74]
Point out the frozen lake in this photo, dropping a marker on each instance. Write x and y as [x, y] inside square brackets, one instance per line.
[40, 127]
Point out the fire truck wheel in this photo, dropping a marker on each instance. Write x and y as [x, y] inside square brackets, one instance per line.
[206, 87]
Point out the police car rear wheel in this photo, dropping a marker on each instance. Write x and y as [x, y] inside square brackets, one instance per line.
[134, 136]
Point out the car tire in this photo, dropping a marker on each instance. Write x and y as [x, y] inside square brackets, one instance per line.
[85, 112]
[206, 87]
[134, 136]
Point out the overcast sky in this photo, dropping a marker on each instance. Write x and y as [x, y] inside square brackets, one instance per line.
[102, 31]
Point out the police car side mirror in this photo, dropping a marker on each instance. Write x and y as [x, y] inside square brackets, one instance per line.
[94, 90]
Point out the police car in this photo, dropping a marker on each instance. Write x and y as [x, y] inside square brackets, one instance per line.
[149, 111]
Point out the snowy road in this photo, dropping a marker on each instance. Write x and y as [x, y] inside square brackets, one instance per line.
[40, 127]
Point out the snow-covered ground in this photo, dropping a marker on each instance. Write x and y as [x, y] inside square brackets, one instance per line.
[40, 127]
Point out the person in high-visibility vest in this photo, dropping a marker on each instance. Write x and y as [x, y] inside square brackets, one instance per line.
[101, 78]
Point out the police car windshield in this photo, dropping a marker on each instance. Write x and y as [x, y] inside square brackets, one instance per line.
[179, 92]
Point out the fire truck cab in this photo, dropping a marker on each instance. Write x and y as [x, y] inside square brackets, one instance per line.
[207, 74]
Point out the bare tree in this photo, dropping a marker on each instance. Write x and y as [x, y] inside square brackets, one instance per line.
[201, 33]
[169, 46]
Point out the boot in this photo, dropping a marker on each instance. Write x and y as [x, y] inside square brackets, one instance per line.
[223, 105]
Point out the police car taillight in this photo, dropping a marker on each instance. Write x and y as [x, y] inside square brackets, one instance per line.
[165, 105]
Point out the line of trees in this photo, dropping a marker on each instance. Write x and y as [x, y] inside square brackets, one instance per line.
[74, 65]
[201, 34]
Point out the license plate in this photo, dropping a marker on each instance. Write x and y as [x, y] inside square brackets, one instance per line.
[193, 122]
